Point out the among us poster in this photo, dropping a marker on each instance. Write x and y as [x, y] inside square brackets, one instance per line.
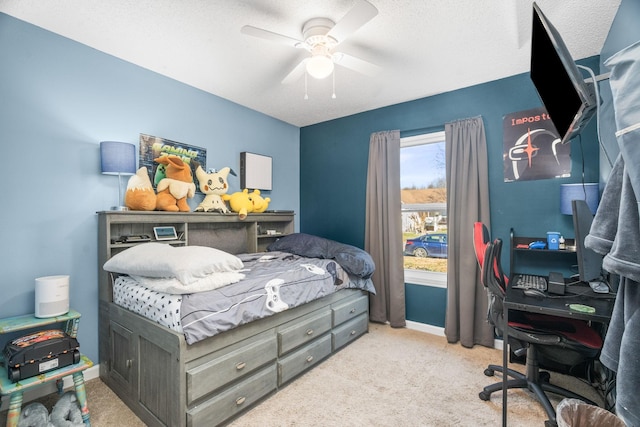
[532, 148]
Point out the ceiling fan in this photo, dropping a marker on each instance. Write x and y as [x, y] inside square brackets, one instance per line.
[320, 36]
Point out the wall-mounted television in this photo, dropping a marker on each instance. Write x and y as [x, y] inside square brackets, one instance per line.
[569, 100]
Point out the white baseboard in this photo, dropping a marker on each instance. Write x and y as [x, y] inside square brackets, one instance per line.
[48, 388]
[423, 327]
[437, 330]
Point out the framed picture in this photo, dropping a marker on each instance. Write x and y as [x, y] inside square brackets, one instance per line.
[152, 147]
[255, 171]
[165, 233]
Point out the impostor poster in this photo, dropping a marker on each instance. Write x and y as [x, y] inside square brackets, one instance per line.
[532, 148]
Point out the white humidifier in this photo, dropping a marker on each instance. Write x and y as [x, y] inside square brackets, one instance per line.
[52, 296]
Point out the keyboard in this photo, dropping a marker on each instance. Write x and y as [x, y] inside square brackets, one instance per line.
[529, 281]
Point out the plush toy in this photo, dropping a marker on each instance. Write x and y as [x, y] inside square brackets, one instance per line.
[140, 195]
[239, 202]
[66, 412]
[176, 187]
[34, 415]
[260, 204]
[213, 185]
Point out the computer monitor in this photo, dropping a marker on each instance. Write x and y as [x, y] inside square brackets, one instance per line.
[589, 262]
[569, 100]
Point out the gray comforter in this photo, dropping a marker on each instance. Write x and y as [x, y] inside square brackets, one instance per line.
[274, 282]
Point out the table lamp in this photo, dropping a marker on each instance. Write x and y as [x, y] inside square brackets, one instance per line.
[590, 192]
[118, 158]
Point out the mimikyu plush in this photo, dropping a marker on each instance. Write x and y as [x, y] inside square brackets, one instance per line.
[213, 185]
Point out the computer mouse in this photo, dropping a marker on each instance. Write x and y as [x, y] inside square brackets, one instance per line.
[537, 245]
[534, 293]
[599, 287]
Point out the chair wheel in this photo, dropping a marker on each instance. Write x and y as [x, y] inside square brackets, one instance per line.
[544, 376]
[549, 423]
[484, 396]
[489, 372]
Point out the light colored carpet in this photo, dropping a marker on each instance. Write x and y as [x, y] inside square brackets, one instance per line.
[388, 377]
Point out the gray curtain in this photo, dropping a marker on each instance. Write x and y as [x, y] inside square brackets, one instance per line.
[467, 202]
[383, 229]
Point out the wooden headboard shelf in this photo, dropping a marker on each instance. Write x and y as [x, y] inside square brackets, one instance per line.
[222, 231]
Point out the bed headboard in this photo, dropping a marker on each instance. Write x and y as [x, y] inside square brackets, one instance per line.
[233, 240]
[226, 232]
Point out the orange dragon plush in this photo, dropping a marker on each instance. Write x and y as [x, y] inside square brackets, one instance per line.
[173, 191]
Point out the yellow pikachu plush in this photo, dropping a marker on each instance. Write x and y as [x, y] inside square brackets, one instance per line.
[239, 202]
[260, 204]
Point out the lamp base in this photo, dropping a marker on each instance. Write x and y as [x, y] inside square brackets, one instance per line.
[119, 208]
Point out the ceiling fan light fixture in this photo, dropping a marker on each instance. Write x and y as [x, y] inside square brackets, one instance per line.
[320, 66]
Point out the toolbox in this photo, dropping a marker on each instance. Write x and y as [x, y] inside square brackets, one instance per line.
[40, 352]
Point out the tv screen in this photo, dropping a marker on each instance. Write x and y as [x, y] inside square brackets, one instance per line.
[589, 261]
[568, 99]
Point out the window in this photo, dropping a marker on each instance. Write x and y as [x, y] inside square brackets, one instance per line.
[424, 208]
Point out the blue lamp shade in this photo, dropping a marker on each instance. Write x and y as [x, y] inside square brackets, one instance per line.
[117, 158]
[590, 192]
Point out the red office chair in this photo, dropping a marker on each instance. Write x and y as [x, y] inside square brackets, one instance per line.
[563, 340]
[481, 239]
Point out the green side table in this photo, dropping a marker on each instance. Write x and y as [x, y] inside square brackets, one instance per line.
[15, 390]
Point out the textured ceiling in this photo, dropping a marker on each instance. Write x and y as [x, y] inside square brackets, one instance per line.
[424, 47]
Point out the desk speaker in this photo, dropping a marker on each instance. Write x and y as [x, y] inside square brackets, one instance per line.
[555, 284]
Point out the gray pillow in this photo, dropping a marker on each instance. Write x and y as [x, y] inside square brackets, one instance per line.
[353, 259]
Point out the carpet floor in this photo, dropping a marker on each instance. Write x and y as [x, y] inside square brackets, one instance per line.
[388, 377]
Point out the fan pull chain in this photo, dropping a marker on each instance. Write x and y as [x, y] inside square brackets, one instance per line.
[333, 95]
[305, 86]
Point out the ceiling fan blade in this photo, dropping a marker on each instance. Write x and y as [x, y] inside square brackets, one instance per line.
[271, 36]
[296, 73]
[359, 15]
[356, 64]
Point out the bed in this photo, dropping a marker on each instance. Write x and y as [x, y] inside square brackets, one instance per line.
[204, 357]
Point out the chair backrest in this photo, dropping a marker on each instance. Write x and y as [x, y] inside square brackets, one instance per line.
[495, 294]
[497, 265]
[491, 270]
[480, 240]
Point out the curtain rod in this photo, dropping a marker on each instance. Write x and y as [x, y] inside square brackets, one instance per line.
[418, 131]
[466, 118]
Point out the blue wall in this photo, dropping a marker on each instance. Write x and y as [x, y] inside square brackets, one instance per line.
[334, 155]
[58, 100]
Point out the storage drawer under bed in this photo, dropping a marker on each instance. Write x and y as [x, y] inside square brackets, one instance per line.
[303, 359]
[301, 331]
[344, 334]
[233, 400]
[350, 309]
[223, 369]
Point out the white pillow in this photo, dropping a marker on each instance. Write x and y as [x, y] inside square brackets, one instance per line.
[185, 263]
[172, 285]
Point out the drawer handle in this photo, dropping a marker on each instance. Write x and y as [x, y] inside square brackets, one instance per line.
[309, 331]
[353, 332]
[240, 366]
[240, 400]
[129, 363]
[309, 359]
[353, 310]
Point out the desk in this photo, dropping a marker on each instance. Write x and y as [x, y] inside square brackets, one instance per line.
[556, 305]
